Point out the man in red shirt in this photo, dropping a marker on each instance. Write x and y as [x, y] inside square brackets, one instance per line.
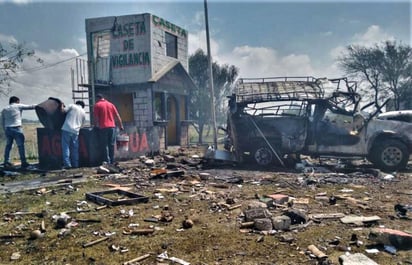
[105, 114]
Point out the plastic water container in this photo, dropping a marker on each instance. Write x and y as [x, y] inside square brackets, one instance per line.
[122, 142]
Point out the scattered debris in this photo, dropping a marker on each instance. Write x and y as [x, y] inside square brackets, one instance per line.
[315, 251]
[92, 243]
[36, 234]
[121, 197]
[132, 261]
[11, 236]
[391, 237]
[275, 210]
[15, 256]
[164, 256]
[138, 232]
[356, 259]
[187, 223]
[359, 220]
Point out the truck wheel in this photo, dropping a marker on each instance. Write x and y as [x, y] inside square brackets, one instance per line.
[390, 155]
[263, 156]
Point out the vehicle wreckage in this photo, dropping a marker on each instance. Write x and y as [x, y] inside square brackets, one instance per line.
[273, 119]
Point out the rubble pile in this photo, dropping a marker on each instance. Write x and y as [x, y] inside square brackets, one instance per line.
[170, 209]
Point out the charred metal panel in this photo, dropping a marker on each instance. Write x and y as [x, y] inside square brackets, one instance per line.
[399, 115]
[116, 197]
[279, 116]
[398, 129]
[270, 89]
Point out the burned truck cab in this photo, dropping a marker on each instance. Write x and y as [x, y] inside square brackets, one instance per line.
[269, 118]
[272, 118]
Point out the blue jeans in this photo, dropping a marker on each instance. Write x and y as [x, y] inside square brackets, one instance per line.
[70, 149]
[15, 134]
[107, 139]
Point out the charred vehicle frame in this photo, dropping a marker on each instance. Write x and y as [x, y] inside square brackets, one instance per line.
[270, 119]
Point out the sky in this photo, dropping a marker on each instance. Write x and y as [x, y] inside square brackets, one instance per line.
[261, 38]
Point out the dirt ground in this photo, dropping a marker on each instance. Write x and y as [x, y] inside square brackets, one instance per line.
[189, 212]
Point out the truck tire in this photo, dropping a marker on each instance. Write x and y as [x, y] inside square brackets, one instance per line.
[390, 155]
[263, 156]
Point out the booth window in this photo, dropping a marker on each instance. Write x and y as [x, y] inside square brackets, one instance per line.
[171, 45]
[158, 107]
[101, 56]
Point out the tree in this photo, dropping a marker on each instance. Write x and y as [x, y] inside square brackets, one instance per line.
[11, 58]
[397, 71]
[364, 63]
[386, 68]
[200, 99]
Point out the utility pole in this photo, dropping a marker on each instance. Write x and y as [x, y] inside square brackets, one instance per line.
[212, 90]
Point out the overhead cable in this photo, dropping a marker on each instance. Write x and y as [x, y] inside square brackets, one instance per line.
[34, 69]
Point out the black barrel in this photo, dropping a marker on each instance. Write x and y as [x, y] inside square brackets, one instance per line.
[51, 114]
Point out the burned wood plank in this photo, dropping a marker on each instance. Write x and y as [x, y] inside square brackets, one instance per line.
[315, 251]
[151, 219]
[136, 259]
[89, 220]
[101, 207]
[220, 186]
[326, 215]
[234, 207]
[92, 243]
[11, 236]
[132, 198]
[143, 231]
[78, 211]
[247, 225]
[43, 226]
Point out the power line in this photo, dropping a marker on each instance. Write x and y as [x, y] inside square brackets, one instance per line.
[35, 69]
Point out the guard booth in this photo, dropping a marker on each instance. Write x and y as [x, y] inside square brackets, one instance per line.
[140, 64]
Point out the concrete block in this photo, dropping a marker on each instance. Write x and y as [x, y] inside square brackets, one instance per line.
[356, 259]
[263, 224]
[256, 213]
[282, 222]
[296, 216]
[279, 198]
[256, 204]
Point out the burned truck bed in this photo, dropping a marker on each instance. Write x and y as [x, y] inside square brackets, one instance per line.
[271, 119]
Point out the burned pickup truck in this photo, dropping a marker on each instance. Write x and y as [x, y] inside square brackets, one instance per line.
[270, 119]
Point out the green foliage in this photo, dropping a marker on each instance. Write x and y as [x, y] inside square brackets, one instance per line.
[200, 99]
[397, 71]
[11, 58]
[386, 68]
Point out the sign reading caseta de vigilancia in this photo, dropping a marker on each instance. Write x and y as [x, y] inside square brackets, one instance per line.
[127, 34]
[131, 37]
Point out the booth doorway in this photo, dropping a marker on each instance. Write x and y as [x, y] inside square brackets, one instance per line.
[172, 112]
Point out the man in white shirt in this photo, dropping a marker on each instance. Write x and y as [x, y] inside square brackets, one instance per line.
[12, 125]
[75, 118]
